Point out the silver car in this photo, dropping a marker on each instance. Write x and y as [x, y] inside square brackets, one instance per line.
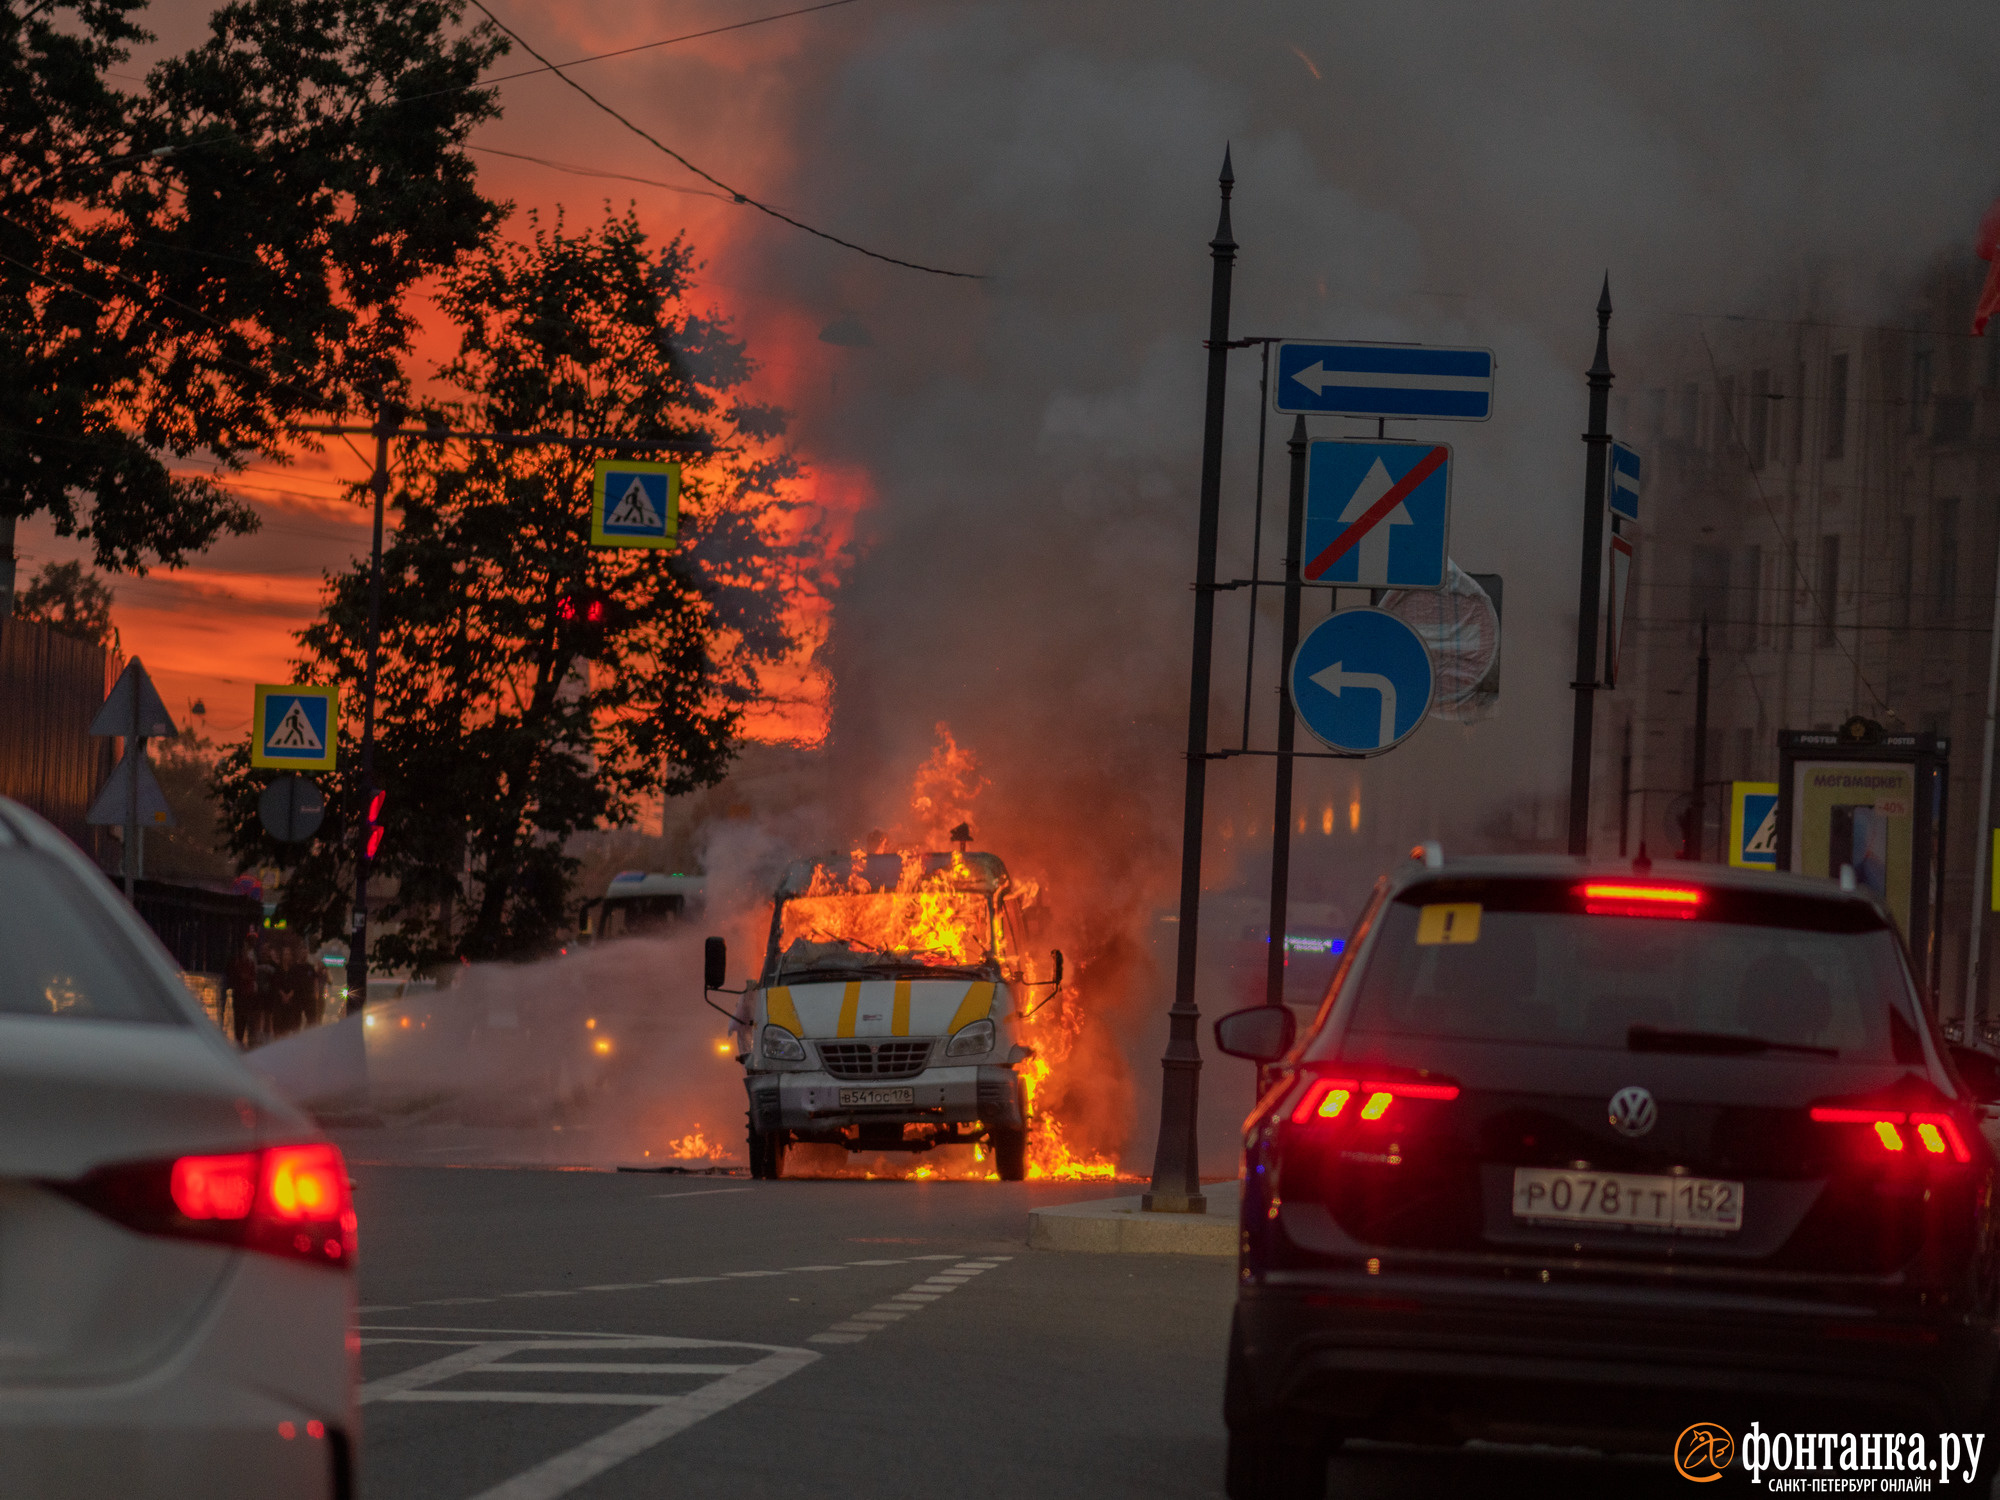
[176, 1242]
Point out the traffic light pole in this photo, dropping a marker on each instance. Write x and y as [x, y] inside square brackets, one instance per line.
[357, 942]
[387, 425]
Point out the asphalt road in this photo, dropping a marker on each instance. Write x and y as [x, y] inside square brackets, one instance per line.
[521, 1328]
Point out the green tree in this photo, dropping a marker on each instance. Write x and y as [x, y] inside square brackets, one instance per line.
[190, 270]
[72, 600]
[502, 730]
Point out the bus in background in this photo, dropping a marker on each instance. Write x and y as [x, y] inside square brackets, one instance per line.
[640, 902]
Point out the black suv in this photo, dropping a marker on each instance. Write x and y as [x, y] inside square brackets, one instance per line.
[1588, 1154]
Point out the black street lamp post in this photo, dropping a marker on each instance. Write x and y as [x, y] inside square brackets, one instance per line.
[1176, 1186]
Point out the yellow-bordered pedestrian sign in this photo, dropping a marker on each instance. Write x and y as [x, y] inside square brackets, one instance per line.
[635, 504]
[295, 728]
[1753, 825]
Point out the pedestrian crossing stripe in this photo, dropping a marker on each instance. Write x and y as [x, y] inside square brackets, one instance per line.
[295, 727]
[635, 504]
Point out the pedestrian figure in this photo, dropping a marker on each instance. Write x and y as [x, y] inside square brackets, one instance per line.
[244, 1006]
[274, 998]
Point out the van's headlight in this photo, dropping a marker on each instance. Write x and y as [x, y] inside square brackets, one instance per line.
[971, 1041]
[781, 1046]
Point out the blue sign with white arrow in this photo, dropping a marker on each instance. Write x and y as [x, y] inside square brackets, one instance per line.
[1625, 482]
[1384, 380]
[1377, 514]
[1361, 681]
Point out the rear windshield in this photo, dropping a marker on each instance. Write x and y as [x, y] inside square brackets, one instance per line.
[1537, 961]
[61, 958]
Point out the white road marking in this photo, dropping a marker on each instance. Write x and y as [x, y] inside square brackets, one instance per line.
[836, 1338]
[684, 1280]
[699, 1193]
[815, 1268]
[753, 1273]
[666, 1414]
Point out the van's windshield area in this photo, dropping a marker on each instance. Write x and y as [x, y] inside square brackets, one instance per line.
[1537, 961]
[880, 932]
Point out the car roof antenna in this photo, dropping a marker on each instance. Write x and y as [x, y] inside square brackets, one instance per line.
[1642, 865]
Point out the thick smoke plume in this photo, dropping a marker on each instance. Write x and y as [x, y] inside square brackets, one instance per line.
[1451, 173]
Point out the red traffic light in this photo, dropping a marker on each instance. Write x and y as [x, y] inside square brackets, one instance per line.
[586, 614]
[372, 844]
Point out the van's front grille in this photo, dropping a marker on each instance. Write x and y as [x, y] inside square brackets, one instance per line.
[892, 1059]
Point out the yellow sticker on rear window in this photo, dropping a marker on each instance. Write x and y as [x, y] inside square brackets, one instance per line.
[1451, 922]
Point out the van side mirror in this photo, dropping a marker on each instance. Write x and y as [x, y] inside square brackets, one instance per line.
[1980, 1070]
[715, 964]
[1262, 1034]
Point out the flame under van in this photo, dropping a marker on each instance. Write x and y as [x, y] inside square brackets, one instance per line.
[887, 1013]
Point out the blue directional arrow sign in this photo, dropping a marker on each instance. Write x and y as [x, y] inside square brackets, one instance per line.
[1625, 482]
[1384, 380]
[1377, 514]
[1361, 681]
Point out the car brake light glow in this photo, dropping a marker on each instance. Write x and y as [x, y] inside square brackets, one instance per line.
[1328, 1098]
[1605, 899]
[1938, 1134]
[215, 1187]
[287, 1200]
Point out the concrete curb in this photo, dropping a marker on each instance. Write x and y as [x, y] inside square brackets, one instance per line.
[1118, 1226]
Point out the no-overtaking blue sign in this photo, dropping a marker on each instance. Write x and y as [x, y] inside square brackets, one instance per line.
[1377, 514]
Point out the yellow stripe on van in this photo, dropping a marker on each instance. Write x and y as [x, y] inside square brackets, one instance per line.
[849, 1004]
[899, 1010]
[977, 1002]
[779, 1010]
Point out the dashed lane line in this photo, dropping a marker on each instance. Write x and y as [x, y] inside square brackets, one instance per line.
[942, 1279]
[931, 1289]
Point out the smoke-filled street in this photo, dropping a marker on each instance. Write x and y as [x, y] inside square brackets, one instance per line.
[1019, 748]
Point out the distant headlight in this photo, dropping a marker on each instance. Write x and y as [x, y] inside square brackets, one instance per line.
[971, 1041]
[781, 1046]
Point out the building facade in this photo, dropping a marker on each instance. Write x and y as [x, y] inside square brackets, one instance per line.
[1824, 492]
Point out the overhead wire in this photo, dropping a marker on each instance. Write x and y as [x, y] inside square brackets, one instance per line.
[708, 177]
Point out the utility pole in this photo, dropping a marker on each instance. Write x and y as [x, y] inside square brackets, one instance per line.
[1625, 791]
[1597, 440]
[1176, 1184]
[1694, 845]
[1281, 815]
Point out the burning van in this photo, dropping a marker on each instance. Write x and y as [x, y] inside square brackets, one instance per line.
[888, 1013]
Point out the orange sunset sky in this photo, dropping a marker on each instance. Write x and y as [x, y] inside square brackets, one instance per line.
[212, 630]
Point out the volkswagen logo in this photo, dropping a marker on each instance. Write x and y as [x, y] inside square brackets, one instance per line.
[1632, 1111]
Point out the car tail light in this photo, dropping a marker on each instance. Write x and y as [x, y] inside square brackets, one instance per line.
[1364, 1099]
[1626, 899]
[1927, 1134]
[286, 1200]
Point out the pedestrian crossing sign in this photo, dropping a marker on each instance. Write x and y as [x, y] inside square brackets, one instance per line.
[635, 504]
[1753, 825]
[295, 728]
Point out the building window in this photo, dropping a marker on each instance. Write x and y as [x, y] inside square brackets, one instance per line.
[1759, 437]
[1752, 615]
[1828, 592]
[1708, 591]
[1793, 579]
[1944, 560]
[1799, 414]
[1691, 410]
[1836, 408]
[1906, 567]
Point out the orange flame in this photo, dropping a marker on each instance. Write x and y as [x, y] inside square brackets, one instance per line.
[694, 1146]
